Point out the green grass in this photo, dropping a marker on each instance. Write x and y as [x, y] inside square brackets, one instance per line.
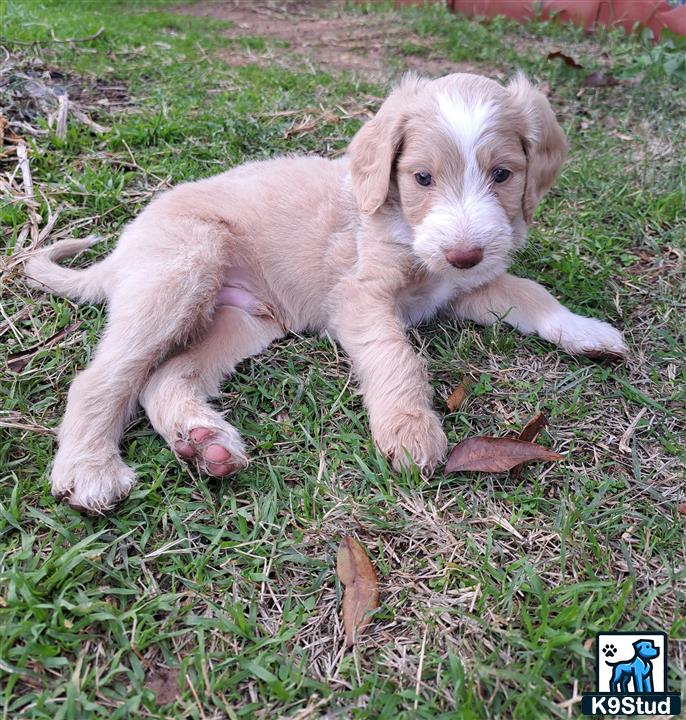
[233, 581]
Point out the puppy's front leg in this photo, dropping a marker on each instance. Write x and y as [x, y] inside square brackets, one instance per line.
[530, 308]
[392, 377]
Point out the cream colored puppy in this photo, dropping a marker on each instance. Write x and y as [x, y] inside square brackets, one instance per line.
[423, 214]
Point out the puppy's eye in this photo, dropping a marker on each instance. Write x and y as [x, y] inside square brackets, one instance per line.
[499, 175]
[423, 178]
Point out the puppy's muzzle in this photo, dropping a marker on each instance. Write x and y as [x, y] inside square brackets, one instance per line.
[464, 258]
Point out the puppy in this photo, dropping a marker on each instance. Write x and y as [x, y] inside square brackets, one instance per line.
[423, 214]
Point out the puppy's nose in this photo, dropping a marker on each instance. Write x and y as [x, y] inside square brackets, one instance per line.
[464, 258]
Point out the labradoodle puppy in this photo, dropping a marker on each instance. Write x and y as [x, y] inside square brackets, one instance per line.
[422, 215]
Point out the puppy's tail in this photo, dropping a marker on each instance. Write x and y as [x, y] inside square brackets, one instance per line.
[86, 285]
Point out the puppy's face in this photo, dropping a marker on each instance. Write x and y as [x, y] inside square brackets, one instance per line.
[461, 177]
[465, 161]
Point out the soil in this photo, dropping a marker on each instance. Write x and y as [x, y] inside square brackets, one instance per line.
[322, 35]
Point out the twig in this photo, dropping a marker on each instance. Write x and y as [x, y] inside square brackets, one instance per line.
[62, 113]
[29, 129]
[21, 239]
[95, 127]
[29, 198]
[624, 446]
[54, 39]
[420, 668]
[27, 180]
[52, 219]
[12, 41]
[96, 34]
[17, 361]
[30, 427]
[10, 325]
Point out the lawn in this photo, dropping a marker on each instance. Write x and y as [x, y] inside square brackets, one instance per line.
[207, 599]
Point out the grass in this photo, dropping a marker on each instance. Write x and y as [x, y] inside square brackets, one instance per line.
[492, 589]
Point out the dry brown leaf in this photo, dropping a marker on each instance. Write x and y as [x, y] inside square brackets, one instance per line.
[6, 132]
[529, 434]
[361, 594]
[164, 682]
[567, 59]
[456, 397]
[491, 454]
[533, 428]
[682, 508]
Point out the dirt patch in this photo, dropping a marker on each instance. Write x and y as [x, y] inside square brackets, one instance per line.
[322, 35]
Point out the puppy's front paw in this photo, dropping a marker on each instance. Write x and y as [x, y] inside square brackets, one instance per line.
[411, 436]
[92, 485]
[580, 335]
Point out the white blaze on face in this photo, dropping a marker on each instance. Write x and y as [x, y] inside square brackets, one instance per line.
[467, 124]
[473, 217]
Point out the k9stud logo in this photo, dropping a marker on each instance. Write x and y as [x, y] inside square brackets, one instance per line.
[631, 676]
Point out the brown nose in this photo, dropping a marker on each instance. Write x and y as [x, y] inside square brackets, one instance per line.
[464, 258]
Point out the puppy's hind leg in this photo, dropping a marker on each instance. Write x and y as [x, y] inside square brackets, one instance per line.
[175, 396]
[159, 302]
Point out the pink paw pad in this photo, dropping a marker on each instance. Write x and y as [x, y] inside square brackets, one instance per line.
[214, 458]
[199, 435]
[218, 460]
[184, 449]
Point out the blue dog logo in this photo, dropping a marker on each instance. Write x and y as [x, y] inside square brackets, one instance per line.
[634, 686]
[639, 669]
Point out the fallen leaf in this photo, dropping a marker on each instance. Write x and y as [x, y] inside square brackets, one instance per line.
[533, 428]
[361, 594]
[491, 454]
[6, 132]
[567, 59]
[7, 136]
[682, 508]
[456, 398]
[529, 434]
[600, 79]
[16, 362]
[164, 682]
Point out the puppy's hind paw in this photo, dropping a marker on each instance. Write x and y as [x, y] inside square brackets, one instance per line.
[218, 450]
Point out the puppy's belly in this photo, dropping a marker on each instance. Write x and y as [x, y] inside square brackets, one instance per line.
[241, 289]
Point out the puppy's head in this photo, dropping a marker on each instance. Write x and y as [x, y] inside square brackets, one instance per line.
[466, 161]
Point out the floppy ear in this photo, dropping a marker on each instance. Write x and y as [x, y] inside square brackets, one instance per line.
[544, 142]
[375, 146]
